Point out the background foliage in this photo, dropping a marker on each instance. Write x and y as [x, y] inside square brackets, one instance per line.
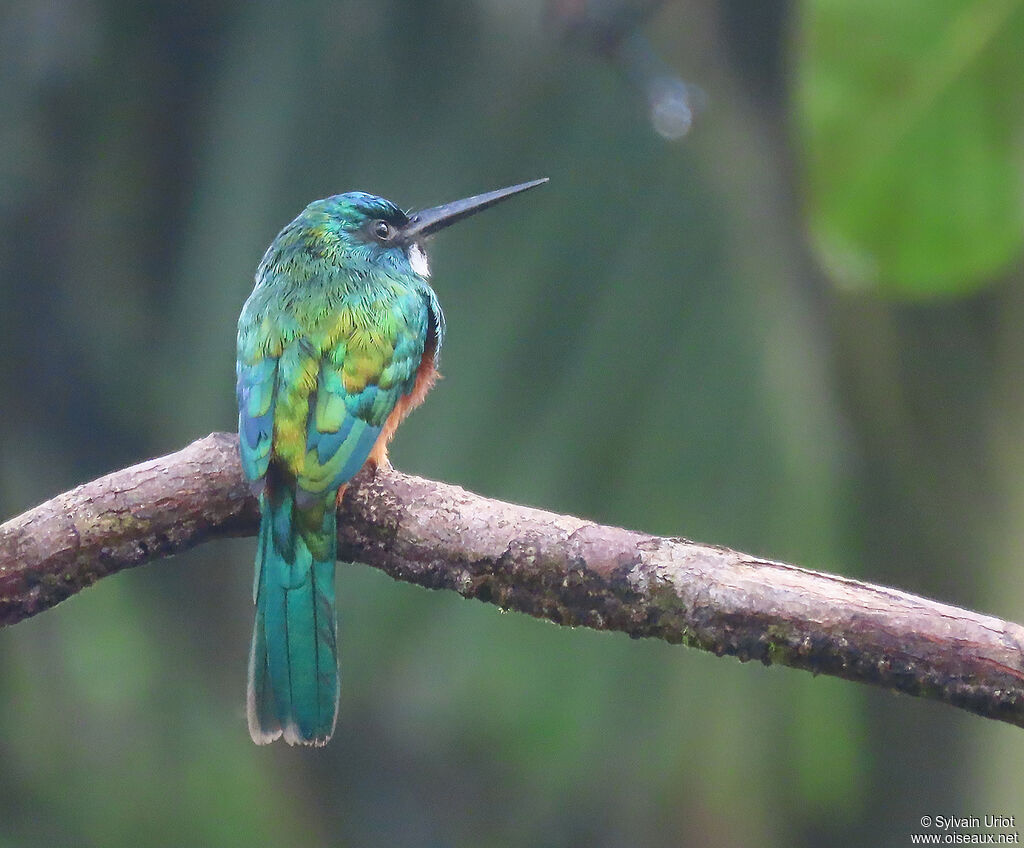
[796, 331]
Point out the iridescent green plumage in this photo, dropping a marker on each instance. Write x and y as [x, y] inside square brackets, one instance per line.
[329, 341]
[336, 343]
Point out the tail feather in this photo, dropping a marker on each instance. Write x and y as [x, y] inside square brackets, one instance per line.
[264, 726]
[293, 667]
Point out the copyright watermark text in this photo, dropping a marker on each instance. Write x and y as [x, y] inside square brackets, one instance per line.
[967, 830]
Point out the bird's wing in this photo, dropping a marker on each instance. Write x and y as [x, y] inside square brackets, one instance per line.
[334, 398]
[256, 389]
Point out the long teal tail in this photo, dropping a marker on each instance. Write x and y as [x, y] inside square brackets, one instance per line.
[293, 664]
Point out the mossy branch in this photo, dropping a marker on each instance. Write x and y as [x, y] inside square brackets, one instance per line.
[565, 569]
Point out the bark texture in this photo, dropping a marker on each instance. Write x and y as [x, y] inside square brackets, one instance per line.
[565, 569]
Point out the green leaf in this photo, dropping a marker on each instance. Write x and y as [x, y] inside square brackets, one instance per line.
[909, 116]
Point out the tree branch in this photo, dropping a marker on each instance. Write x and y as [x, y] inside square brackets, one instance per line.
[568, 570]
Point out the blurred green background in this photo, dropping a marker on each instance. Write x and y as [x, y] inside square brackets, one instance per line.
[797, 331]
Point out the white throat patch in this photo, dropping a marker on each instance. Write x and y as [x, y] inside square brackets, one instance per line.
[418, 260]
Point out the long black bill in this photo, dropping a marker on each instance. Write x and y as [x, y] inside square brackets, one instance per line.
[438, 217]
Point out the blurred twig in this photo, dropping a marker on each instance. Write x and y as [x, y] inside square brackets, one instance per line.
[611, 29]
[568, 570]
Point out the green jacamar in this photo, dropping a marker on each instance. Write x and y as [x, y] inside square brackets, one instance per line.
[337, 343]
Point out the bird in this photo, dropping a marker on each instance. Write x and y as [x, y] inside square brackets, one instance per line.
[337, 343]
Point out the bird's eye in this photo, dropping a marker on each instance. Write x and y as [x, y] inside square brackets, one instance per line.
[382, 230]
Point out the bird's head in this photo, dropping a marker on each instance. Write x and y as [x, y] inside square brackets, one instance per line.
[357, 227]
